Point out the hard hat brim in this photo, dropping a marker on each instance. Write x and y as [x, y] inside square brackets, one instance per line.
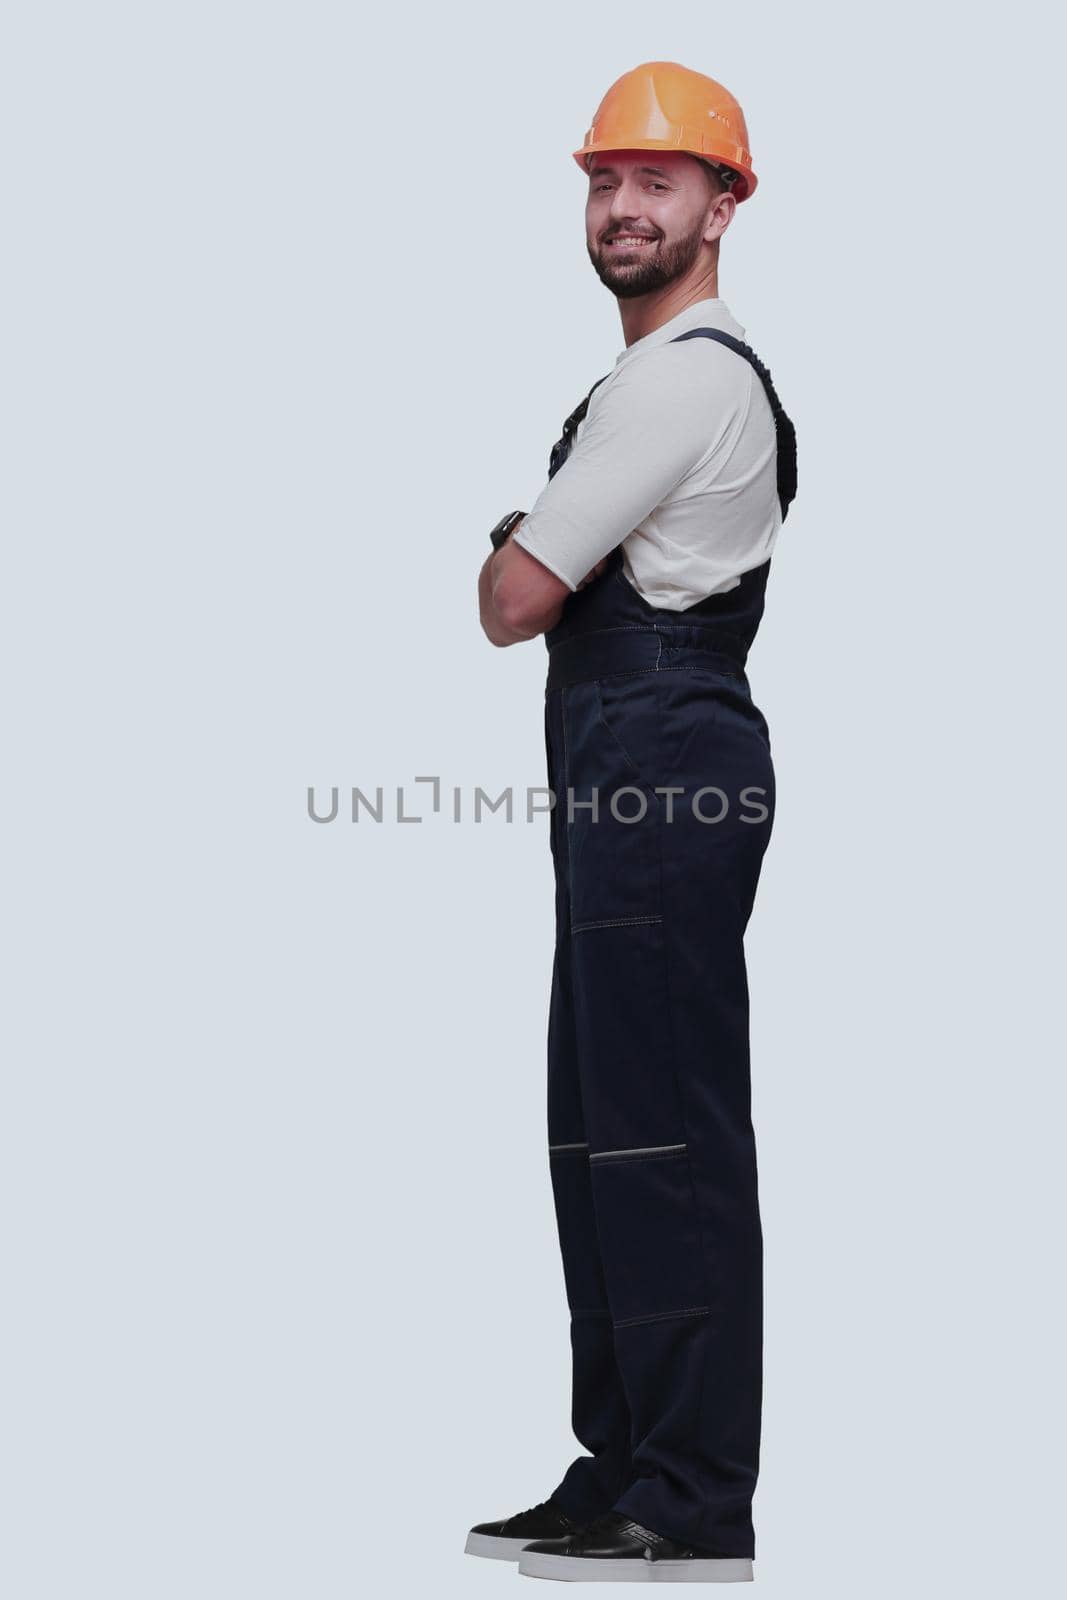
[743, 189]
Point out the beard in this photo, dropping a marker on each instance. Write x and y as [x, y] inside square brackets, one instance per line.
[649, 267]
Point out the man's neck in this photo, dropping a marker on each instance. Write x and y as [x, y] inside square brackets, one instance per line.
[648, 312]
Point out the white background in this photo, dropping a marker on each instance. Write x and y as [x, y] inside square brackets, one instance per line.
[296, 300]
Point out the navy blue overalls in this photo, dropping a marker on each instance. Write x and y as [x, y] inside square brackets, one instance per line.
[651, 1145]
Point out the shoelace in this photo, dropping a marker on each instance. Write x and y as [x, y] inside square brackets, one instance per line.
[530, 1510]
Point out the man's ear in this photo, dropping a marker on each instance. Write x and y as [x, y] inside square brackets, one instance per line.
[723, 214]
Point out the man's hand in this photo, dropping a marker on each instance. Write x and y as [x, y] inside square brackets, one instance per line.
[595, 572]
[518, 598]
[494, 628]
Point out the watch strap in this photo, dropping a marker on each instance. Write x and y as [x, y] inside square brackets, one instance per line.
[500, 533]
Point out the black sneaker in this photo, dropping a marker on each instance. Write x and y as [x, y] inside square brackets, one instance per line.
[615, 1549]
[502, 1541]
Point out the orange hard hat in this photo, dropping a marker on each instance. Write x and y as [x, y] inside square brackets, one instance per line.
[663, 106]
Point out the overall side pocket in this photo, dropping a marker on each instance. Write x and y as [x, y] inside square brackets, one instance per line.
[628, 708]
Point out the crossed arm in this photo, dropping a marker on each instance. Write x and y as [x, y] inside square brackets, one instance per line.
[649, 428]
[518, 598]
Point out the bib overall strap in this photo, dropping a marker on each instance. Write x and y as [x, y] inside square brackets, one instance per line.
[787, 434]
[562, 447]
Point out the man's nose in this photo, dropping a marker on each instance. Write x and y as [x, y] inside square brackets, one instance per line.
[626, 201]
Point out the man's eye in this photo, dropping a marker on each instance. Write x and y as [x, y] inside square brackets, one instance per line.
[598, 188]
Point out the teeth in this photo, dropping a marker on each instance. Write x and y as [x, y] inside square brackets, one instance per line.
[630, 238]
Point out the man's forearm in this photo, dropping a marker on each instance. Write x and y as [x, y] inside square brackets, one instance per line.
[496, 630]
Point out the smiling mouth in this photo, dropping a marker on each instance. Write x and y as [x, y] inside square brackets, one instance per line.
[629, 241]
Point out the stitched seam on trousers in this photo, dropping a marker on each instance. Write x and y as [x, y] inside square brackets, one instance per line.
[614, 922]
[663, 1316]
[566, 831]
[558, 1149]
[553, 828]
[704, 1266]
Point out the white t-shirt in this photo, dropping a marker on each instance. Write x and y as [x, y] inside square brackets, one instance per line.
[676, 460]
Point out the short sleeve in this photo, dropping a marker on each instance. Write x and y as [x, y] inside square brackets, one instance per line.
[655, 421]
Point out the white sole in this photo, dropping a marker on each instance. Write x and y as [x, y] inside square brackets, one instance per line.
[632, 1569]
[493, 1547]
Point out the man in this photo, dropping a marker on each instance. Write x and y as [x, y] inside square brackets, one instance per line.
[644, 562]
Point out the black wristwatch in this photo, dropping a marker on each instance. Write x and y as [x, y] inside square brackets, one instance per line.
[504, 527]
